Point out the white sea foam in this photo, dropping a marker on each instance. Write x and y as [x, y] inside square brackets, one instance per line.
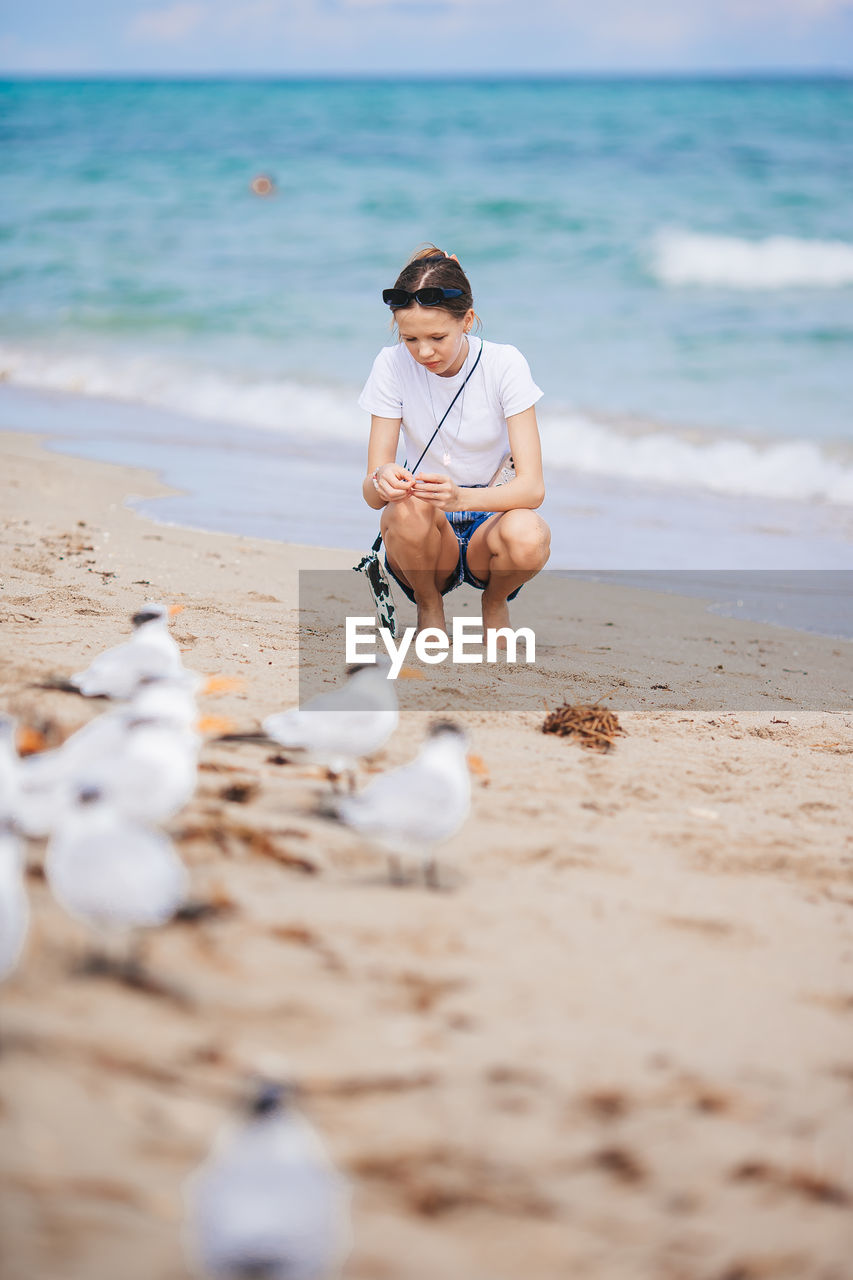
[792, 469]
[777, 469]
[778, 262]
[272, 404]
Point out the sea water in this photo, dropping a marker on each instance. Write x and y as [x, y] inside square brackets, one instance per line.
[673, 256]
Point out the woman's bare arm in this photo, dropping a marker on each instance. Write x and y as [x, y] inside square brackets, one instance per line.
[395, 483]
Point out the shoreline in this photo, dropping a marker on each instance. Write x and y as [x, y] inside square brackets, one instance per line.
[568, 612]
[619, 1047]
[266, 483]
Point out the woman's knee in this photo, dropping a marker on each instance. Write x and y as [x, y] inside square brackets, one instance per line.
[407, 519]
[524, 538]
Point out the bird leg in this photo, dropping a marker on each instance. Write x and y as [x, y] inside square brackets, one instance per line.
[131, 970]
[105, 957]
[431, 876]
[342, 776]
[396, 875]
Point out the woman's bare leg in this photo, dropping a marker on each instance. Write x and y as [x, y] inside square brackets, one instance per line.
[506, 551]
[423, 551]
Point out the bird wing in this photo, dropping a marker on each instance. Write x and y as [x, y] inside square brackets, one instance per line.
[344, 731]
[415, 805]
[283, 1219]
[116, 672]
[151, 774]
[14, 906]
[117, 874]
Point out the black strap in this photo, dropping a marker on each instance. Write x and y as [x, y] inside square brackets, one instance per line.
[449, 407]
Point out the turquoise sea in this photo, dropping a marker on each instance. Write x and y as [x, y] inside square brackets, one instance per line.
[673, 256]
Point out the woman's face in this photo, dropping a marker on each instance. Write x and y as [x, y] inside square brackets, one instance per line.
[435, 338]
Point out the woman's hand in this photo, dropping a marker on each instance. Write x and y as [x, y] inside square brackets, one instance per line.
[438, 491]
[393, 483]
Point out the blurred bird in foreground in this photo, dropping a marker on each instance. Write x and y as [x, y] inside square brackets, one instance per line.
[112, 874]
[150, 651]
[267, 1203]
[413, 809]
[339, 728]
[142, 755]
[9, 769]
[152, 774]
[14, 907]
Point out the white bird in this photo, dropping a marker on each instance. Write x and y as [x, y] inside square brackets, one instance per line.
[168, 699]
[152, 775]
[339, 728]
[14, 907]
[142, 755]
[267, 1203]
[49, 780]
[413, 809]
[9, 769]
[113, 874]
[150, 651]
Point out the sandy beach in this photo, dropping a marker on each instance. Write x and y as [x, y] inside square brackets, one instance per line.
[619, 1046]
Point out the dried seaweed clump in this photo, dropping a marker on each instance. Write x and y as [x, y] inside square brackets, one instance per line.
[596, 726]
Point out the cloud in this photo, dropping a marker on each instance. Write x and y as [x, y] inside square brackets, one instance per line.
[667, 24]
[167, 26]
[367, 36]
[625, 11]
[795, 8]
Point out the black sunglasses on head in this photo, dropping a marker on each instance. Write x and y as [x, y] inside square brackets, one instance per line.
[427, 297]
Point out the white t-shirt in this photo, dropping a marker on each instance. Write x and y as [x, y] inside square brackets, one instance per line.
[474, 440]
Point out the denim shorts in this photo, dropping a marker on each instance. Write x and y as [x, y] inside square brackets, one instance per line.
[464, 524]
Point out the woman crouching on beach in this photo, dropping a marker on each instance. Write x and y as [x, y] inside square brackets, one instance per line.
[463, 508]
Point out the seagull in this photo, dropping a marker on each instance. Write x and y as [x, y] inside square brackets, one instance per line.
[169, 699]
[343, 726]
[26, 785]
[9, 780]
[14, 907]
[267, 1203]
[152, 774]
[411, 810]
[111, 873]
[150, 651]
[142, 754]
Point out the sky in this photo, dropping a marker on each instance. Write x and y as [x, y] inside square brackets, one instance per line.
[391, 37]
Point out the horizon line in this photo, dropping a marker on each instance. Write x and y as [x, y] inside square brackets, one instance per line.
[695, 73]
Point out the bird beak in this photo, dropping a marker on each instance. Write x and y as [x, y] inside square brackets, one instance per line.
[29, 741]
[213, 725]
[410, 673]
[478, 766]
[223, 684]
[175, 609]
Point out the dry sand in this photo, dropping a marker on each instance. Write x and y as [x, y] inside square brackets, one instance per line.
[620, 1046]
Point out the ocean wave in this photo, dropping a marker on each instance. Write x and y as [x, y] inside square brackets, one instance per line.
[776, 469]
[198, 392]
[778, 262]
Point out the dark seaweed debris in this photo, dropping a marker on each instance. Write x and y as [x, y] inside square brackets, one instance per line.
[596, 726]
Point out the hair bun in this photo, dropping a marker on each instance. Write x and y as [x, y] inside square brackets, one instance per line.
[430, 265]
[427, 253]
